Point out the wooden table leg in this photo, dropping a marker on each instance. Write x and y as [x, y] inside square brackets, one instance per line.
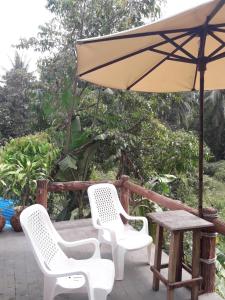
[180, 257]
[173, 261]
[195, 263]
[158, 255]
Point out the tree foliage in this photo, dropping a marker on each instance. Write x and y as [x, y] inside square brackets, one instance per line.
[73, 20]
[214, 122]
[181, 111]
[178, 110]
[15, 100]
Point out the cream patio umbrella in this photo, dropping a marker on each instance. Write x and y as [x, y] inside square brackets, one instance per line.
[185, 52]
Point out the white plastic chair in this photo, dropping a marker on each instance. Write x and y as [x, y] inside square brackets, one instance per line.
[106, 210]
[63, 274]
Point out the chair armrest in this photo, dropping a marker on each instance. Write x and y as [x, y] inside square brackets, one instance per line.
[144, 229]
[74, 244]
[111, 232]
[66, 274]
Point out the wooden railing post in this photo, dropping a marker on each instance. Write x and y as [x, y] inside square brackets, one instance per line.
[42, 192]
[208, 253]
[124, 195]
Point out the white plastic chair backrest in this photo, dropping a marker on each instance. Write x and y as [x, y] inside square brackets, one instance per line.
[40, 232]
[105, 205]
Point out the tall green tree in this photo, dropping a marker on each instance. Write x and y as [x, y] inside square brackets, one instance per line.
[15, 99]
[72, 20]
[178, 110]
[5, 119]
[214, 123]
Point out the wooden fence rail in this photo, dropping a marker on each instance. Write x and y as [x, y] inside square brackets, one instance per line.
[174, 204]
[208, 240]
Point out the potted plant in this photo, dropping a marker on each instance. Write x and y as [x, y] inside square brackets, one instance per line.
[22, 162]
[15, 220]
[2, 221]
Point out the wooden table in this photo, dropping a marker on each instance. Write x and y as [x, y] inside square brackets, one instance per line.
[177, 222]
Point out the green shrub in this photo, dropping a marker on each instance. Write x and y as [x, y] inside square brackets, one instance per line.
[23, 161]
[220, 174]
[214, 194]
[170, 152]
[216, 169]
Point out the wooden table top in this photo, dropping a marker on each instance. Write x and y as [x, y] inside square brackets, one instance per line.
[179, 220]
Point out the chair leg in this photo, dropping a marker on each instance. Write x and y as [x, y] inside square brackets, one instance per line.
[49, 288]
[100, 294]
[100, 238]
[118, 255]
[149, 250]
[91, 294]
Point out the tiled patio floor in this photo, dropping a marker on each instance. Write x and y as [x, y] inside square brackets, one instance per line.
[21, 278]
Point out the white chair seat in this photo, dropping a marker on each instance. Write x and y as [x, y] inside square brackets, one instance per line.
[134, 240]
[71, 282]
[129, 239]
[96, 268]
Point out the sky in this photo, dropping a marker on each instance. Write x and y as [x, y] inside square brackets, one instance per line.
[21, 18]
[176, 6]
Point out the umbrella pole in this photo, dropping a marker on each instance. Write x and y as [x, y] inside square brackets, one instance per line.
[201, 69]
[201, 141]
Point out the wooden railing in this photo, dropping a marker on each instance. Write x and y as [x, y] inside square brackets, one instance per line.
[126, 187]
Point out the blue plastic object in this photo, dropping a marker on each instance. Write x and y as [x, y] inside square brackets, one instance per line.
[6, 209]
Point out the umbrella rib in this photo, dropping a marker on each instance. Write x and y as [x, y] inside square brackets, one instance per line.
[196, 70]
[171, 41]
[216, 26]
[159, 63]
[211, 55]
[129, 55]
[195, 78]
[183, 60]
[217, 57]
[215, 11]
[173, 56]
[219, 29]
[141, 34]
[218, 48]
[216, 37]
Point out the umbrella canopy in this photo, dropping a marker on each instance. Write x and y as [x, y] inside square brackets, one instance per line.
[149, 58]
[184, 52]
